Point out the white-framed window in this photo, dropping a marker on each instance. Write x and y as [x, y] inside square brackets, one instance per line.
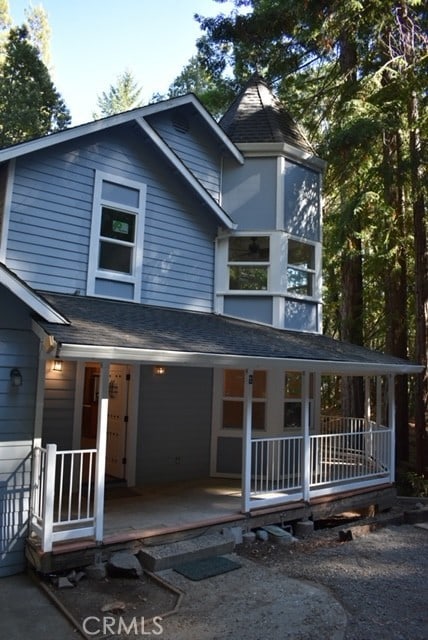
[233, 399]
[117, 232]
[301, 268]
[293, 401]
[248, 263]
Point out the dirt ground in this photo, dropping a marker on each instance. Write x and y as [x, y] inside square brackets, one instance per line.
[371, 585]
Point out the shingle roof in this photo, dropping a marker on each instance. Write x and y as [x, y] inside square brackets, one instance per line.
[100, 322]
[256, 115]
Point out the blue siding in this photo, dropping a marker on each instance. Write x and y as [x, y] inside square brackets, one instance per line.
[302, 216]
[58, 410]
[257, 308]
[301, 315]
[174, 436]
[192, 146]
[51, 220]
[18, 348]
[249, 193]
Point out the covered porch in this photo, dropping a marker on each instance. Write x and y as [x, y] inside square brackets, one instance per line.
[70, 500]
[328, 454]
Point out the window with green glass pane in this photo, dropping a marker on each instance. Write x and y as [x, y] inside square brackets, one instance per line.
[117, 235]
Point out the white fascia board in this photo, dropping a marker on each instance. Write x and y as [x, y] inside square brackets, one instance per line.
[29, 297]
[196, 359]
[112, 121]
[185, 173]
[266, 149]
[190, 98]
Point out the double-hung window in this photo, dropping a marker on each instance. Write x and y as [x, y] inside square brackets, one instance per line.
[301, 268]
[117, 236]
[248, 263]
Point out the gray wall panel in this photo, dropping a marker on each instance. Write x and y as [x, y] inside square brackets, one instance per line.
[174, 425]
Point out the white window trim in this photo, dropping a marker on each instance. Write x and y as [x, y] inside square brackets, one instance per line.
[137, 264]
[6, 210]
[315, 272]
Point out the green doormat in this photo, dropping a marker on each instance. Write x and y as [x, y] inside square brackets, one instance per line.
[206, 568]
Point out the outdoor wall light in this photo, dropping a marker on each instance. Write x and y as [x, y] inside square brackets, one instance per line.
[57, 365]
[159, 370]
[15, 378]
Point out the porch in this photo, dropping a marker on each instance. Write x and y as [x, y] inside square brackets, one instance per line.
[347, 455]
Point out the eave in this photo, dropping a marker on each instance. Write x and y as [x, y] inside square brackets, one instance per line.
[181, 168]
[96, 126]
[29, 297]
[269, 149]
[210, 360]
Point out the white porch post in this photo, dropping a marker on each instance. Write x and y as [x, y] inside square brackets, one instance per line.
[367, 406]
[246, 441]
[101, 452]
[391, 424]
[48, 497]
[306, 436]
[379, 401]
[317, 402]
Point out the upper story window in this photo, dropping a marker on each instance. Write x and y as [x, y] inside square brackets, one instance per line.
[116, 236]
[248, 263]
[301, 268]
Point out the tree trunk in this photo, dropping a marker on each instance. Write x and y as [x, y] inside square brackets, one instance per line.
[421, 285]
[395, 286]
[351, 263]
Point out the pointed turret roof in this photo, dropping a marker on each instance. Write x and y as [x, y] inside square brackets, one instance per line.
[256, 115]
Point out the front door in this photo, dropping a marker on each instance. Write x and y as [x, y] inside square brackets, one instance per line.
[117, 424]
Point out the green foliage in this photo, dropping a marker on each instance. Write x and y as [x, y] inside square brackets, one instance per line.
[39, 31]
[349, 71]
[124, 95]
[412, 484]
[30, 106]
[215, 94]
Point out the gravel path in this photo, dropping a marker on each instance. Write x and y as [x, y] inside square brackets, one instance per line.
[380, 579]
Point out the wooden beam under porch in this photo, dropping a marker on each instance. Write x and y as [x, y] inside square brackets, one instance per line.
[166, 513]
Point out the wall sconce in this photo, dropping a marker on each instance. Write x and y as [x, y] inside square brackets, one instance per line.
[15, 378]
[159, 370]
[57, 365]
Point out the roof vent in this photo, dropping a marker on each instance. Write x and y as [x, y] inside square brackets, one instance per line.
[180, 123]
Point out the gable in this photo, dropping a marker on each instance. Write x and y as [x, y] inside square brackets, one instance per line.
[51, 219]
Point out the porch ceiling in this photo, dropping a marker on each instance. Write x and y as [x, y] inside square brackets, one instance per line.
[114, 330]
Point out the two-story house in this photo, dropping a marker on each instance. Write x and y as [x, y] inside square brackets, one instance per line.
[161, 326]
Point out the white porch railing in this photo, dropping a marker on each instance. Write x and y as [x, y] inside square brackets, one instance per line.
[349, 453]
[62, 502]
[276, 465]
[361, 454]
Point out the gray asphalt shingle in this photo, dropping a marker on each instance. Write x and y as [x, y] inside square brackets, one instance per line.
[100, 322]
[256, 115]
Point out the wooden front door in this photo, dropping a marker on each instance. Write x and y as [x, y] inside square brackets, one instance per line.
[117, 424]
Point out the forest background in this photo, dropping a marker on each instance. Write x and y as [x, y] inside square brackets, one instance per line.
[354, 74]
